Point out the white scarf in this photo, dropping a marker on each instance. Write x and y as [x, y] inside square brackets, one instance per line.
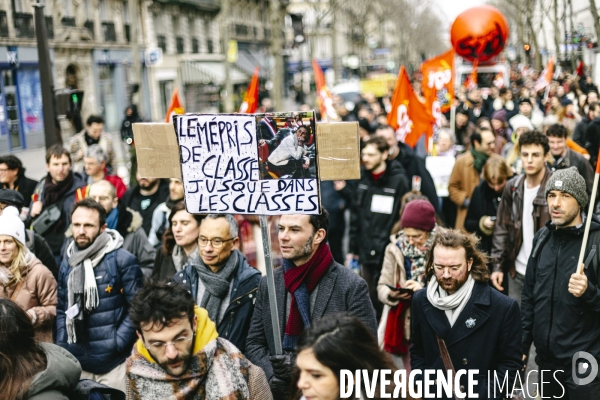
[452, 304]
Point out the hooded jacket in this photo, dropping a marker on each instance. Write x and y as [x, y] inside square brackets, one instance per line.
[59, 378]
[108, 333]
[38, 294]
[558, 323]
[369, 229]
[236, 321]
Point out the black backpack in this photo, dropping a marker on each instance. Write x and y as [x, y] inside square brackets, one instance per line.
[87, 389]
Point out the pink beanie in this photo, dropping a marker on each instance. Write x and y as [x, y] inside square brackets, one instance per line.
[418, 214]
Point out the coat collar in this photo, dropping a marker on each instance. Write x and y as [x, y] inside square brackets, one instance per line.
[324, 291]
[480, 298]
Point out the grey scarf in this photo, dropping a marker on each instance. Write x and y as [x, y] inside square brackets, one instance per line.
[180, 259]
[82, 279]
[216, 284]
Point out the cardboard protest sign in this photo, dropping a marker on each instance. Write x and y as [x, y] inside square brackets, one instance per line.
[249, 164]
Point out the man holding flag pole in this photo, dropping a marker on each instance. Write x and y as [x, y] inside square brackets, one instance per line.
[560, 303]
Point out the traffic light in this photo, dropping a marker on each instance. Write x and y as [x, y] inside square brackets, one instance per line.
[69, 102]
[526, 47]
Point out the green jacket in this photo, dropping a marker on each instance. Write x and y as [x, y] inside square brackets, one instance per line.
[60, 376]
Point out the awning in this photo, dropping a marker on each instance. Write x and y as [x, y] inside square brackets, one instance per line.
[204, 72]
[294, 66]
[248, 60]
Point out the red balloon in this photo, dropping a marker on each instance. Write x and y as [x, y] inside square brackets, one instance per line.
[479, 33]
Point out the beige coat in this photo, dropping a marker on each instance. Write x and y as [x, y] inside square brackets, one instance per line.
[393, 273]
[37, 293]
[463, 181]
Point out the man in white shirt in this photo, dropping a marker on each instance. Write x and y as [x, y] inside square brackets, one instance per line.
[523, 210]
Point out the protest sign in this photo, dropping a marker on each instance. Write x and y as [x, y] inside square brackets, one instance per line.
[223, 173]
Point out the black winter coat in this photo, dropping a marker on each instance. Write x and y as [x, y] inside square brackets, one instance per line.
[592, 140]
[580, 131]
[107, 335]
[558, 323]
[484, 202]
[370, 230]
[39, 247]
[492, 344]
[236, 322]
[415, 166]
[23, 185]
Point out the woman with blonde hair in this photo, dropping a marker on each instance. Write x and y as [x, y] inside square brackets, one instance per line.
[23, 278]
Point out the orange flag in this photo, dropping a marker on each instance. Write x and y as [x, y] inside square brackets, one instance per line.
[438, 79]
[175, 107]
[598, 163]
[323, 94]
[546, 76]
[250, 104]
[409, 117]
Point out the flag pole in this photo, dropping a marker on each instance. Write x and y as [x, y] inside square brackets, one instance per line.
[266, 240]
[588, 220]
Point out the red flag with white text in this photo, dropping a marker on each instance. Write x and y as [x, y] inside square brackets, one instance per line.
[438, 79]
[409, 116]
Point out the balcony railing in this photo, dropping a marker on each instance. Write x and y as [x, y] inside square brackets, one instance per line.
[89, 25]
[3, 24]
[24, 25]
[109, 32]
[68, 21]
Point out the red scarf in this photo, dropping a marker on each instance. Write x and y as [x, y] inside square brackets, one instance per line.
[310, 274]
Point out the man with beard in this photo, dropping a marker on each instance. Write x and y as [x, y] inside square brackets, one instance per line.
[561, 307]
[145, 197]
[460, 320]
[179, 354]
[375, 209]
[96, 283]
[160, 216]
[310, 286]
[53, 198]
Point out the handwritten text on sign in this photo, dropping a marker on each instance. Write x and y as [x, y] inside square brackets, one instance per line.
[219, 166]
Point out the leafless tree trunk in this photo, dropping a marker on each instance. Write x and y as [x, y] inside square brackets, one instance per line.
[556, 31]
[596, 20]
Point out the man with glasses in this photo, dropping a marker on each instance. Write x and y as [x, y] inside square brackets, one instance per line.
[222, 281]
[179, 353]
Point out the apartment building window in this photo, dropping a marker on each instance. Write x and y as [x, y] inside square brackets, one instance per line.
[195, 46]
[162, 43]
[179, 45]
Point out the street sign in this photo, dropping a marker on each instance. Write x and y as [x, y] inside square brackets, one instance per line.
[154, 57]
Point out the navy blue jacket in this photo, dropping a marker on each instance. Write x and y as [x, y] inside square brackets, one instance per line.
[108, 335]
[492, 344]
[236, 322]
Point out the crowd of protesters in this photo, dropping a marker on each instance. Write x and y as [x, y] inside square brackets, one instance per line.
[124, 287]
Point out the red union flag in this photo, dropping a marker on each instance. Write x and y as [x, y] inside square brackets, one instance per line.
[409, 117]
[250, 104]
[323, 95]
[438, 79]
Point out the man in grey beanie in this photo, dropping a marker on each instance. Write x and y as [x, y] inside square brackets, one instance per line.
[560, 308]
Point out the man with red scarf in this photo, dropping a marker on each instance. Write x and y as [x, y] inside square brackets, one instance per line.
[58, 187]
[310, 286]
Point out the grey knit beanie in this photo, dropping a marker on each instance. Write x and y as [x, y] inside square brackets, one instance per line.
[569, 181]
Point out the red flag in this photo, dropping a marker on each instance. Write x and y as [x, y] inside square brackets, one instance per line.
[598, 163]
[250, 104]
[175, 107]
[323, 94]
[545, 77]
[409, 117]
[438, 79]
